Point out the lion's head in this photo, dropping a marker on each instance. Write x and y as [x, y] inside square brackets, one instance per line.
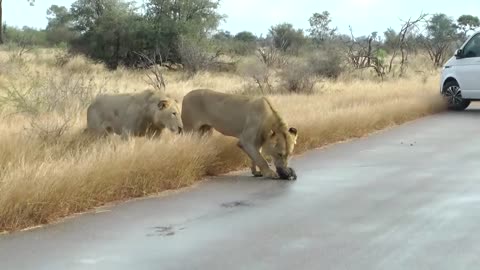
[165, 112]
[279, 146]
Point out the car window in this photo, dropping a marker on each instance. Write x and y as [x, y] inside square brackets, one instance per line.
[472, 49]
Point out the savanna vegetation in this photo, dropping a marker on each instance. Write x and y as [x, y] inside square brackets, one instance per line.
[332, 86]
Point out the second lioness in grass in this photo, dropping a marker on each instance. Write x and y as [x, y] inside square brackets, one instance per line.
[252, 120]
[137, 114]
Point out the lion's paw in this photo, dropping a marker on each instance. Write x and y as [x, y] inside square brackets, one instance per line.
[271, 174]
[257, 174]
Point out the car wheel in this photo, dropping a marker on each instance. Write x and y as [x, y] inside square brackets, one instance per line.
[453, 95]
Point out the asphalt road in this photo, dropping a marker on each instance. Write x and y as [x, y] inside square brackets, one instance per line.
[407, 198]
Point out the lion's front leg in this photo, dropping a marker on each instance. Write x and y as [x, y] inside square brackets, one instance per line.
[253, 166]
[257, 160]
[255, 172]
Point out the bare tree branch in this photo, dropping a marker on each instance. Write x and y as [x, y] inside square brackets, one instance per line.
[155, 78]
[402, 42]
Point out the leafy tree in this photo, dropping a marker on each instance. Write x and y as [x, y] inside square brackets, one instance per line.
[286, 38]
[441, 35]
[391, 39]
[60, 25]
[58, 16]
[108, 27]
[88, 13]
[173, 19]
[320, 29]
[467, 23]
[113, 30]
[246, 36]
[223, 35]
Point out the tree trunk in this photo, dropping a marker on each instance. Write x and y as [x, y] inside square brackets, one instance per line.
[369, 52]
[116, 57]
[1, 23]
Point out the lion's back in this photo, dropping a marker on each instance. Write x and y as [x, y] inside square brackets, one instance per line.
[225, 112]
[114, 110]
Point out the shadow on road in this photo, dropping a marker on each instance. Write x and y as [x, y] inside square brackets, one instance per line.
[471, 111]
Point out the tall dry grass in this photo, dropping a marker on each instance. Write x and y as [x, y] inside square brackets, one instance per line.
[43, 179]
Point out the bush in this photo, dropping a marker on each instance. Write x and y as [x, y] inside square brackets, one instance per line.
[62, 57]
[327, 63]
[26, 36]
[258, 73]
[298, 78]
[286, 38]
[50, 102]
[235, 47]
[271, 57]
[242, 48]
[194, 57]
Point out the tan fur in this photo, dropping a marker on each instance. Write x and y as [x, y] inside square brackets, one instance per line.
[253, 120]
[138, 114]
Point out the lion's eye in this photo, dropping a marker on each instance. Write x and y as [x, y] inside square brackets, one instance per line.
[174, 114]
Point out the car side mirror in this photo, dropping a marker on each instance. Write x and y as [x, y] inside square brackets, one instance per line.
[459, 53]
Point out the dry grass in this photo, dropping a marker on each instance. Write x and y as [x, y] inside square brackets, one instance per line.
[42, 180]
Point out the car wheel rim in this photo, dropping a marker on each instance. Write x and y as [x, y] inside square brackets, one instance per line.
[454, 95]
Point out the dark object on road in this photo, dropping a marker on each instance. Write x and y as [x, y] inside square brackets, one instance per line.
[287, 174]
[236, 204]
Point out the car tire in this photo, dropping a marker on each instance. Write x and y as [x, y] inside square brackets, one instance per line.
[453, 95]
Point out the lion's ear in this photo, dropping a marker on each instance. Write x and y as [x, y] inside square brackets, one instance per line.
[163, 104]
[293, 131]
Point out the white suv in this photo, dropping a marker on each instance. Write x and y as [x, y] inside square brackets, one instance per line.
[460, 82]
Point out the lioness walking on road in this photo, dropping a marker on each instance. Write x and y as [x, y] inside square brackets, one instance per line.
[252, 120]
[137, 114]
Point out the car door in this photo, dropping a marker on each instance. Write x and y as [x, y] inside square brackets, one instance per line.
[467, 69]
